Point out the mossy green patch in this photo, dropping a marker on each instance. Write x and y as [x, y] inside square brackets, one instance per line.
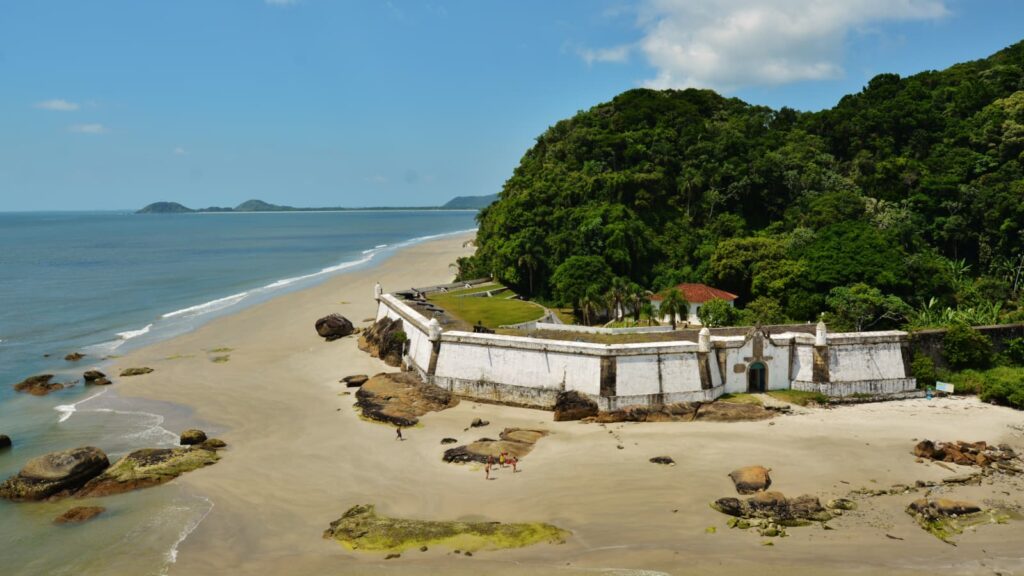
[220, 359]
[740, 399]
[799, 397]
[221, 350]
[179, 357]
[360, 528]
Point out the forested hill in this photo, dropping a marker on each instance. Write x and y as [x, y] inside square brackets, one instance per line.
[913, 187]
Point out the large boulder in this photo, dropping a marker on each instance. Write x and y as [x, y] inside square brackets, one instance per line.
[400, 398]
[74, 357]
[355, 381]
[751, 479]
[572, 405]
[5, 441]
[55, 474]
[385, 339]
[192, 436]
[39, 385]
[92, 375]
[147, 467]
[334, 326]
[516, 442]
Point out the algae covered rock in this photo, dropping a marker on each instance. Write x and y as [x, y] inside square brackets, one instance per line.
[136, 371]
[79, 514]
[55, 474]
[360, 528]
[942, 517]
[147, 467]
[39, 385]
[750, 479]
[355, 381]
[385, 340]
[192, 436]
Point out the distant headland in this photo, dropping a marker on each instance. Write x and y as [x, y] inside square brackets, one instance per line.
[457, 203]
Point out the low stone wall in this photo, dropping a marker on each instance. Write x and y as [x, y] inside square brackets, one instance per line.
[929, 342]
[886, 387]
[611, 403]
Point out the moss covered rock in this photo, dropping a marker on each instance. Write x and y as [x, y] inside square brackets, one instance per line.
[147, 467]
[55, 474]
[360, 528]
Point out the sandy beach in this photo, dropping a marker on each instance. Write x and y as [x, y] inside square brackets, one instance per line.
[299, 456]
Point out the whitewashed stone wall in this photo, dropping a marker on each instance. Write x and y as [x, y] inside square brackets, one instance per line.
[532, 371]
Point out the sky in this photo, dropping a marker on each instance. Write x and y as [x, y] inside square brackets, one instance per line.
[115, 104]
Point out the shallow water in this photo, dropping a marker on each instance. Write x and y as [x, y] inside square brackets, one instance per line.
[103, 283]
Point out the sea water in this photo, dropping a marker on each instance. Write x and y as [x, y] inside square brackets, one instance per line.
[103, 283]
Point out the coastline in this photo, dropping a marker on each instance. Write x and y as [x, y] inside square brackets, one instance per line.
[299, 457]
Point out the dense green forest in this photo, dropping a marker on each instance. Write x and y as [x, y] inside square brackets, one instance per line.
[903, 204]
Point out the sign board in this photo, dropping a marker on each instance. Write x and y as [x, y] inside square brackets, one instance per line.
[944, 387]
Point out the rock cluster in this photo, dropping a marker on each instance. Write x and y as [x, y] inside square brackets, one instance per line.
[136, 371]
[688, 412]
[96, 378]
[942, 517]
[86, 472]
[74, 357]
[572, 405]
[516, 442]
[334, 326]
[39, 385]
[478, 423]
[969, 454]
[401, 398]
[55, 474]
[79, 514]
[663, 460]
[776, 507]
[385, 340]
[751, 479]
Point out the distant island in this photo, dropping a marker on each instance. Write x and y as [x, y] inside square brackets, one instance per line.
[457, 203]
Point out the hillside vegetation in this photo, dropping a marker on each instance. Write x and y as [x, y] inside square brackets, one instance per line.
[903, 203]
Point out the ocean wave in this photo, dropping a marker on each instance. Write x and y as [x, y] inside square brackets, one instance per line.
[66, 410]
[172, 554]
[206, 307]
[129, 334]
[154, 426]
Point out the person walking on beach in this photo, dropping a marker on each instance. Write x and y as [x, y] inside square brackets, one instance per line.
[398, 433]
[501, 459]
[513, 461]
[487, 470]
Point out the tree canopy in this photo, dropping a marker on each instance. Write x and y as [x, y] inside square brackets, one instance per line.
[885, 189]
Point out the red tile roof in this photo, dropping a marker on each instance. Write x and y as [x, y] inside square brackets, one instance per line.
[701, 293]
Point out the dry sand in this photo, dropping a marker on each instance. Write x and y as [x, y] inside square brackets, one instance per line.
[300, 456]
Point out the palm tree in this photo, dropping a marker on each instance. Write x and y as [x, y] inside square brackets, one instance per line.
[674, 304]
[617, 295]
[589, 305]
[636, 296]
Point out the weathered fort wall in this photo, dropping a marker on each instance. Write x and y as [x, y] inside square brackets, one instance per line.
[531, 371]
[929, 342]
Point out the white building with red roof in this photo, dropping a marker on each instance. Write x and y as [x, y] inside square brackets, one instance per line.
[697, 295]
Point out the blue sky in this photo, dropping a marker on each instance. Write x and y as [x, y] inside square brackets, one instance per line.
[112, 105]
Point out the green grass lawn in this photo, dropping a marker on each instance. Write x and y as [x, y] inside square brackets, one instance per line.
[495, 311]
[799, 397]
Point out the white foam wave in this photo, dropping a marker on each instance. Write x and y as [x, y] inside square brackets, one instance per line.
[129, 334]
[327, 270]
[66, 410]
[154, 432]
[172, 554]
[210, 306]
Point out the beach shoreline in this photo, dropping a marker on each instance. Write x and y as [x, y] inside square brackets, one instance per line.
[299, 456]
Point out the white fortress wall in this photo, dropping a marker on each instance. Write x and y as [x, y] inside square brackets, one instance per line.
[518, 361]
[419, 348]
[866, 356]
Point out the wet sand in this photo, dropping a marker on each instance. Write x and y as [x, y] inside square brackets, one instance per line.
[300, 456]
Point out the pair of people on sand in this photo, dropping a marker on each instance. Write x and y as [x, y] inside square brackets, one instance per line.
[503, 460]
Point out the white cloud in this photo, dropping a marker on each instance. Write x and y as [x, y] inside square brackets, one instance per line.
[88, 128]
[729, 44]
[56, 104]
[179, 151]
[614, 54]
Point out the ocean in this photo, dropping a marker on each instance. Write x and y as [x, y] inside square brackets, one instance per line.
[102, 283]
